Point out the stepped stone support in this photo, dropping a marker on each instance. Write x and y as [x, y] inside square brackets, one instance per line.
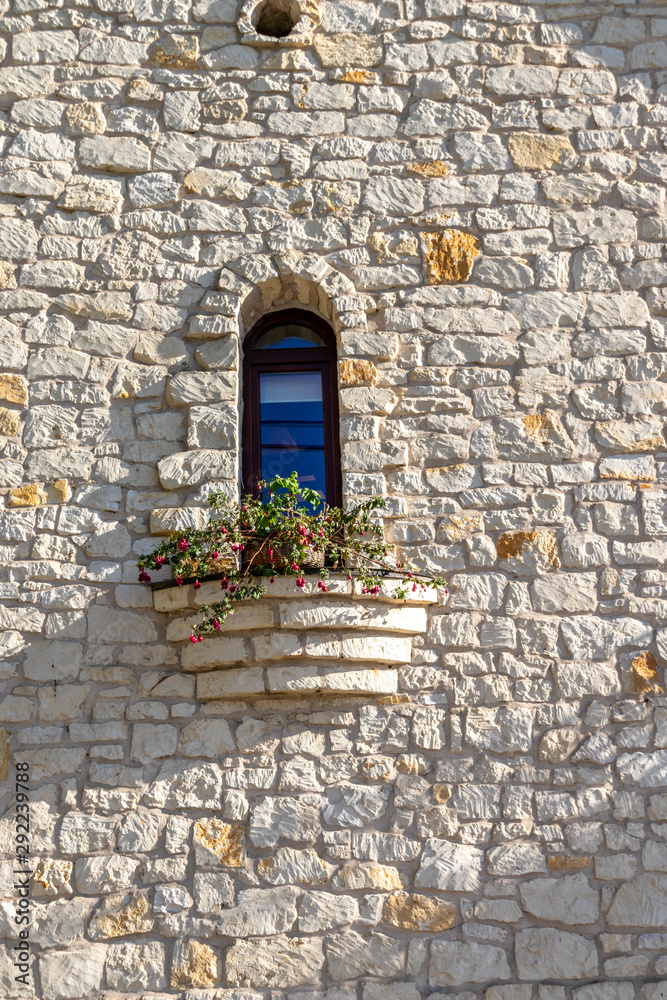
[293, 642]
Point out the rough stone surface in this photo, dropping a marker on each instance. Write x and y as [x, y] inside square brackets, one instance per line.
[460, 794]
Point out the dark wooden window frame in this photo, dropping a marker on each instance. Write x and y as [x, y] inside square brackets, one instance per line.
[303, 359]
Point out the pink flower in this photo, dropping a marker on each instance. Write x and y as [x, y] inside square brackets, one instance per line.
[295, 567]
[193, 638]
[214, 555]
[197, 584]
[224, 583]
[183, 545]
[179, 581]
[300, 582]
[200, 639]
[216, 624]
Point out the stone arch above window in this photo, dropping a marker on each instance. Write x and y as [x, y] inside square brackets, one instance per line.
[248, 288]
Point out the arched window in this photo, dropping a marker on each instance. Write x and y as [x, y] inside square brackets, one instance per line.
[290, 418]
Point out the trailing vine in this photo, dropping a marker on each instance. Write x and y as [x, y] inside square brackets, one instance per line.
[283, 531]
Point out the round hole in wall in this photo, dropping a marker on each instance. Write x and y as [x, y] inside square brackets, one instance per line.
[276, 18]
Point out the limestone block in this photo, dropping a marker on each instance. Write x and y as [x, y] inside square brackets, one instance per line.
[347, 49]
[502, 910]
[351, 806]
[312, 614]
[61, 702]
[190, 468]
[324, 911]
[182, 785]
[350, 955]
[575, 680]
[557, 745]
[217, 184]
[133, 966]
[18, 239]
[534, 151]
[260, 913]
[111, 625]
[502, 730]
[567, 592]
[81, 834]
[368, 876]
[382, 681]
[277, 646]
[139, 832]
[49, 660]
[454, 963]
[289, 865]
[520, 80]
[52, 878]
[587, 636]
[46, 763]
[213, 890]
[545, 953]
[292, 818]
[206, 738]
[445, 865]
[66, 975]
[118, 156]
[516, 859]
[241, 682]
[61, 923]
[13, 388]
[568, 900]
[385, 847]
[194, 965]
[279, 963]
[121, 915]
[413, 912]
[594, 225]
[648, 770]
[376, 649]
[214, 652]
[92, 194]
[218, 843]
[104, 874]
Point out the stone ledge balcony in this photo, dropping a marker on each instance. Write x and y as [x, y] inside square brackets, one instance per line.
[299, 641]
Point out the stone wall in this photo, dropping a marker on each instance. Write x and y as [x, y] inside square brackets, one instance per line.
[463, 796]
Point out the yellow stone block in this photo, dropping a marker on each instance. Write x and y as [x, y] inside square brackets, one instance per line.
[13, 388]
[449, 256]
[533, 151]
[30, 495]
[9, 421]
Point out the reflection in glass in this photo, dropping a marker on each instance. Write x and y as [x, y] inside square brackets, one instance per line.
[288, 336]
[292, 427]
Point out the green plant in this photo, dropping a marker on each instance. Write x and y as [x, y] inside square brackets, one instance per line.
[278, 533]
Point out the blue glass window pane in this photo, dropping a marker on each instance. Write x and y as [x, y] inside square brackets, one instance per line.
[309, 466]
[292, 435]
[292, 427]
